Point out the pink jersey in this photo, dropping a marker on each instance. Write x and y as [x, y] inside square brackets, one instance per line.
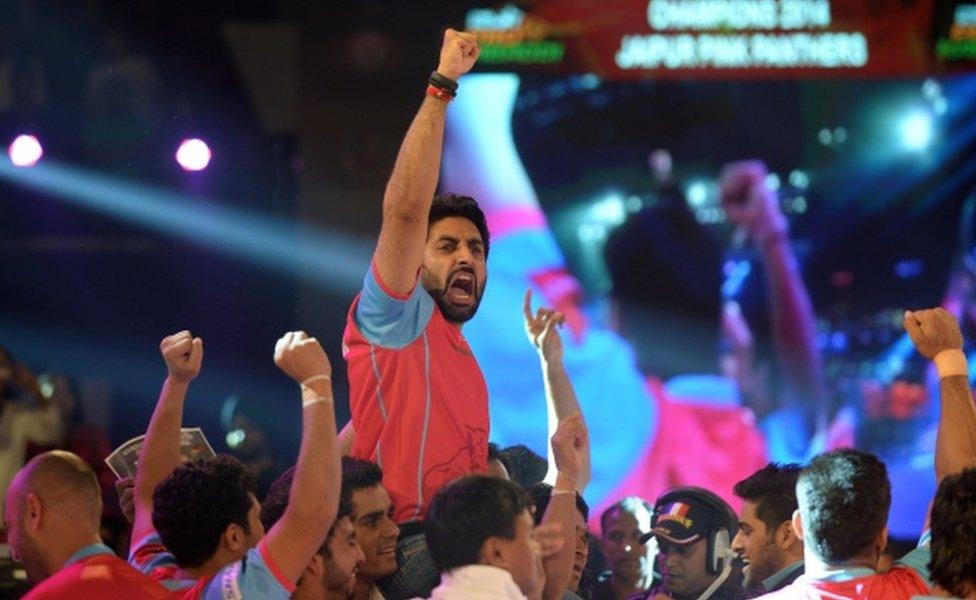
[418, 399]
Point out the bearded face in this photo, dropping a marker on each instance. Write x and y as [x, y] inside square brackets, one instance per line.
[455, 269]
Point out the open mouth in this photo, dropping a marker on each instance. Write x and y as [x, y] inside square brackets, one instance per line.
[461, 288]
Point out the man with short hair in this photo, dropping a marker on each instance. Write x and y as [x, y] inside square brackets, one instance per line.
[480, 533]
[953, 562]
[196, 525]
[694, 529]
[53, 513]
[771, 552]
[331, 574]
[371, 515]
[844, 496]
[630, 556]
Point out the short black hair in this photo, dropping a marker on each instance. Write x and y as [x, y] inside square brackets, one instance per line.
[469, 511]
[358, 474]
[525, 467]
[541, 494]
[495, 453]
[276, 502]
[844, 497]
[953, 563]
[630, 504]
[773, 490]
[455, 205]
[193, 507]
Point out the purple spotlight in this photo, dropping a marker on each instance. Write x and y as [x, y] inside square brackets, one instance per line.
[193, 155]
[25, 151]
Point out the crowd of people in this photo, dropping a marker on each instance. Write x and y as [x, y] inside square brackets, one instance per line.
[409, 500]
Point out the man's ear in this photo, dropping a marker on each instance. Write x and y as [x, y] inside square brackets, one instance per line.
[33, 512]
[784, 536]
[493, 553]
[314, 569]
[234, 538]
[797, 524]
[881, 542]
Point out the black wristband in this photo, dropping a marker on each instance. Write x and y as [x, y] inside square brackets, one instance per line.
[445, 83]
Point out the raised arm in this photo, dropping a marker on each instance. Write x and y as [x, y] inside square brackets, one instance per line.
[313, 500]
[160, 455]
[410, 190]
[937, 337]
[561, 402]
[568, 446]
[754, 209]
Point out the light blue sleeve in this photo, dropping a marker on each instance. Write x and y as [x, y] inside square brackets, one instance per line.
[918, 559]
[245, 579]
[388, 320]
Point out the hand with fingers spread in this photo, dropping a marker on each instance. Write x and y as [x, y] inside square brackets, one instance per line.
[933, 331]
[301, 357]
[458, 54]
[542, 331]
[183, 354]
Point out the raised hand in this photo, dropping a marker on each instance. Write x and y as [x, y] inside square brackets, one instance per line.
[301, 357]
[933, 331]
[748, 202]
[549, 537]
[542, 329]
[125, 488]
[183, 354]
[458, 54]
[569, 444]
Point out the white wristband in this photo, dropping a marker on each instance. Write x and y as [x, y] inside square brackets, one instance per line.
[556, 492]
[306, 402]
[315, 378]
[950, 363]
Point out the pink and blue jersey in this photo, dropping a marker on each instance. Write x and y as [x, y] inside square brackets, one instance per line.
[418, 399]
[254, 576]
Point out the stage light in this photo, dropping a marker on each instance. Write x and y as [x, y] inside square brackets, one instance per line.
[610, 210]
[917, 131]
[799, 179]
[773, 182]
[697, 194]
[25, 151]
[193, 155]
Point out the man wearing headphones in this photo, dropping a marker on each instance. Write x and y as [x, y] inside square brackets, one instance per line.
[694, 529]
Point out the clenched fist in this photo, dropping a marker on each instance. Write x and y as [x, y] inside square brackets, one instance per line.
[458, 54]
[933, 331]
[748, 202]
[569, 443]
[301, 357]
[183, 354]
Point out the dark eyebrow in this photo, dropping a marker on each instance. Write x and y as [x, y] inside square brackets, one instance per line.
[475, 242]
[373, 515]
[447, 238]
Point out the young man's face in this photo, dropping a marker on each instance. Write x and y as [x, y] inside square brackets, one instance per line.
[345, 558]
[455, 267]
[522, 557]
[684, 568]
[628, 558]
[756, 547]
[376, 533]
[581, 552]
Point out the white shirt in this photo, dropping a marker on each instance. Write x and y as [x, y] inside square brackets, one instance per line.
[477, 582]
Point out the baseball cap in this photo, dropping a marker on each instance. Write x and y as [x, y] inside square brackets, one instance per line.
[684, 517]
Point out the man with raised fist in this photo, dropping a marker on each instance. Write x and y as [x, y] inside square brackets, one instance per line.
[196, 525]
[418, 399]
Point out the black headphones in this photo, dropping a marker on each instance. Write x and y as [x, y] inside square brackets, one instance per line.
[719, 539]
